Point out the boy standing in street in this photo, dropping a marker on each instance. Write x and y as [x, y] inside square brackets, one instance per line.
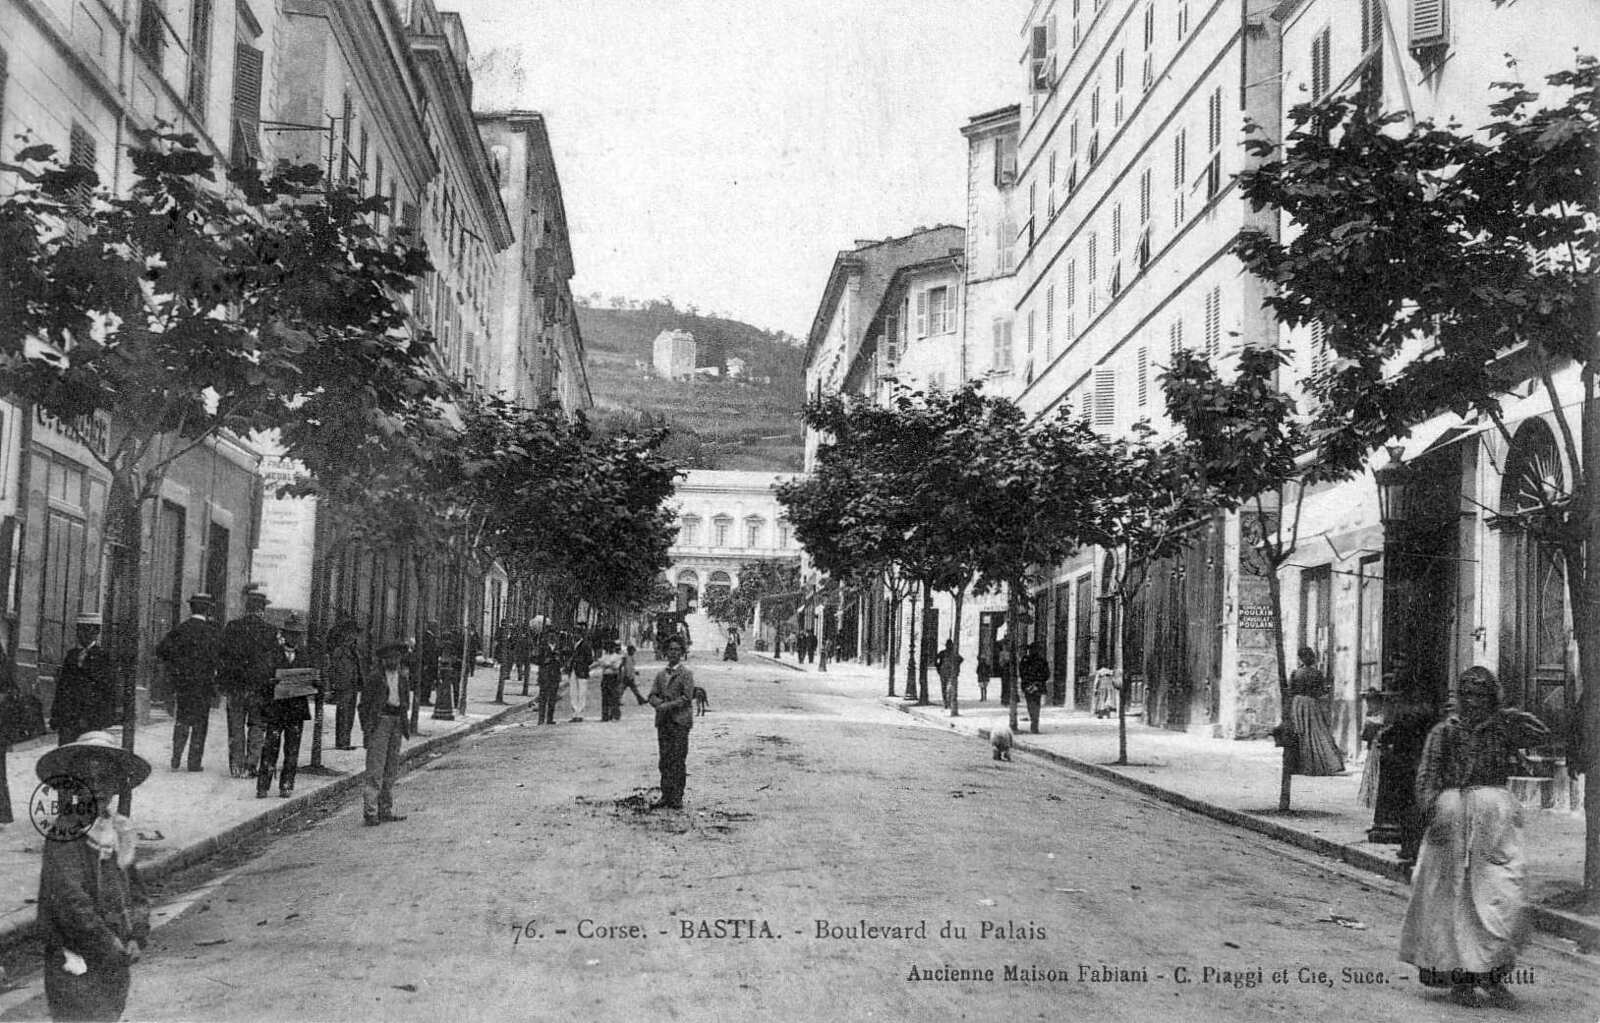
[672, 696]
[384, 698]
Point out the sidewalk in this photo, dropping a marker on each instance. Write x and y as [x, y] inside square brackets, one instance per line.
[1237, 782]
[184, 817]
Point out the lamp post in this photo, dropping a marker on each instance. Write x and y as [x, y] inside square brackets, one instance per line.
[1405, 725]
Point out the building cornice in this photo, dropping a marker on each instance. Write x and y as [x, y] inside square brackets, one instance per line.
[455, 109]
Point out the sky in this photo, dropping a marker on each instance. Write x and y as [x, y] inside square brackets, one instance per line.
[722, 152]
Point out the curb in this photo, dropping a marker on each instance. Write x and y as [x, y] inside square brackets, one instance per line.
[1582, 930]
[174, 860]
[780, 663]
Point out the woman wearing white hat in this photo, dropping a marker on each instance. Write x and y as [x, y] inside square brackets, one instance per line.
[94, 917]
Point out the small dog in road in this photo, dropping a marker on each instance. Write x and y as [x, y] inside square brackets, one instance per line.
[700, 701]
[1000, 739]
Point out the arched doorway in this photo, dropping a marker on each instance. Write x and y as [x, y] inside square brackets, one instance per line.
[688, 592]
[1533, 585]
[719, 582]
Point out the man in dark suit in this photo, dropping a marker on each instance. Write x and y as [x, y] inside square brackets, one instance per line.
[190, 654]
[384, 698]
[347, 672]
[672, 696]
[249, 657]
[284, 719]
[86, 693]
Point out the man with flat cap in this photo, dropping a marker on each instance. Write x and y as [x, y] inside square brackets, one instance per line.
[249, 657]
[283, 717]
[384, 724]
[86, 694]
[190, 653]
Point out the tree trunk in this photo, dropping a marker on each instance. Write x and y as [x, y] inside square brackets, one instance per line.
[1012, 589]
[911, 646]
[955, 651]
[1119, 617]
[1286, 777]
[124, 542]
[922, 668]
[894, 640]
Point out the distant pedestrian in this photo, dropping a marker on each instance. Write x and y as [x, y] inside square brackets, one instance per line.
[581, 657]
[249, 655]
[609, 666]
[93, 914]
[1106, 693]
[190, 652]
[549, 661]
[347, 670]
[1313, 751]
[505, 654]
[86, 694]
[630, 675]
[426, 671]
[985, 671]
[384, 699]
[1466, 920]
[283, 718]
[672, 695]
[1034, 674]
[948, 664]
[1006, 669]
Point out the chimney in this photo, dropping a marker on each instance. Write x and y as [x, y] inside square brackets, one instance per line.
[862, 243]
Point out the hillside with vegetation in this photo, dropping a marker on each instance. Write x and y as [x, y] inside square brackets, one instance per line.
[718, 422]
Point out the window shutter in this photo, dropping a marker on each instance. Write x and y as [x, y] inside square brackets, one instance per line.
[1214, 119]
[1319, 347]
[1105, 397]
[1149, 25]
[1049, 320]
[997, 356]
[1429, 22]
[1007, 364]
[246, 102]
[922, 314]
[1144, 377]
[1175, 337]
[1213, 322]
[199, 56]
[2, 93]
[1094, 265]
[81, 153]
[1072, 283]
[1116, 230]
[1320, 68]
[1180, 145]
[1030, 333]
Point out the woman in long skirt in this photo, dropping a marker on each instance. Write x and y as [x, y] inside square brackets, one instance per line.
[1315, 751]
[1466, 920]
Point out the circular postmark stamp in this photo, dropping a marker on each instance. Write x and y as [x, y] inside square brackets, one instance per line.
[63, 807]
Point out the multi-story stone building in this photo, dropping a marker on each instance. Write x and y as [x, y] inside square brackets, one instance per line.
[541, 355]
[673, 354]
[1448, 584]
[85, 78]
[725, 520]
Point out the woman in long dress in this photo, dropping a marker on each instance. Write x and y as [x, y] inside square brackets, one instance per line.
[1315, 751]
[1466, 919]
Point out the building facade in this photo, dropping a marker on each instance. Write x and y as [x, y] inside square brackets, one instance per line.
[673, 355]
[86, 78]
[541, 354]
[726, 519]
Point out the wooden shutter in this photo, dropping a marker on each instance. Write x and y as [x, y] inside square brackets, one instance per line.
[922, 314]
[247, 65]
[1105, 397]
[1143, 379]
[1320, 69]
[1049, 320]
[1213, 321]
[1175, 337]
[1429, 22]
[1319, 347]
[199, 57]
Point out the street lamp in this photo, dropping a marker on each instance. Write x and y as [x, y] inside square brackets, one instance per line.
[1391, 480]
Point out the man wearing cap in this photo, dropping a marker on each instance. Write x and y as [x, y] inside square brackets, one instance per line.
[190, 654]
[384, 699]
[249, 657]
[283, 719]
[86, 695]
[673, 698]
[93, 915]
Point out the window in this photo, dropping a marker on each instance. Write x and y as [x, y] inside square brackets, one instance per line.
[1105, 397]
[936, 312]
[1049, 320]
[1120, 69]
[752, 532]
[1005, 161]
[1149, 26]
[1072, 298]
[720, 527]
[1094, 271]
[1142, 379]
[1072, 137]
[246, 148]
[1001, 360]
[1116, 230]
[347, 123]
[1183, 18]
[1180, 159]
[1213, 322]
[199, 56]
[1320, 71]
[689, 531]
[151, 32]
[1214, 143]
[783, 534]
[1039, 60]
[81, 153]
[1430, 24]
[1319, 347]
[1030, 333]
[1142, 251]
[1371, 88]
[1175, 337]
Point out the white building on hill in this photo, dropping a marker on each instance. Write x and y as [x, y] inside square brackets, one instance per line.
[673, 354]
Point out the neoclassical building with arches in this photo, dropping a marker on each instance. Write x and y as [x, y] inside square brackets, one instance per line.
[725, 519]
